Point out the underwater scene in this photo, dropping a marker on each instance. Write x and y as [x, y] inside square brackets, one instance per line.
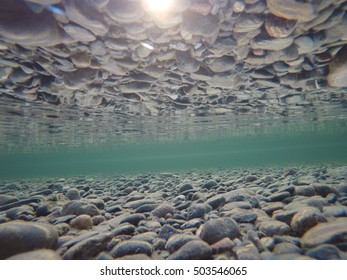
[173, 129]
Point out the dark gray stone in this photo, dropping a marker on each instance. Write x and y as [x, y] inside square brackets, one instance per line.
[19, 237]
[193, 250]
[198, 210]
[132, 247]
[216, 229]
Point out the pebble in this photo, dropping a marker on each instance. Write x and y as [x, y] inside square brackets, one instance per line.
[14, 237]
[198, 210]
[78, 208]
[162, 210]
[82, 222]
[131, 247]
[6, 199]
[216, 229]
[306, 219]
[326, 252]
[322, 233]
[216, 201]
[193, 250]
[292, 9]
[176, 241]
[73, 194]
[271, 228]
[87, 248]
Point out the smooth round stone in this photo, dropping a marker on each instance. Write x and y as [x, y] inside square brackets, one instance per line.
[329, 232]
[149, 237]
[41, 254]
[284, 216]
[250, 178]
[42, 210]
[18, 237]
[242, 215]
[248, 252]
[271, 228]
[133, 219]
[335, 211]
[326, 252]
[216, 201]
[279, 196]
[198, 210]
[185, 187]
[223, 245]
[193, 250]
[131, 247]
[237, 204]
[279, 27]
[162, 210]
[306, 219]
[82, 222]
[325, 190]
[286, 248]
[6, 199]
[167, 231]
[209, 184]
[73, 194]
[176, 241]
[11, 187]
[78, 208]
[146, 208]
[305, 190]
[126, 229]
[216, 229]
[292, 9]
[194, 223]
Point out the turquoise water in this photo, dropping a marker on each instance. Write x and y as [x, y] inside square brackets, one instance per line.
[292, 144]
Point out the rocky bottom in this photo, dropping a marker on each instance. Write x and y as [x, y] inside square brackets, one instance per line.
[274, 213]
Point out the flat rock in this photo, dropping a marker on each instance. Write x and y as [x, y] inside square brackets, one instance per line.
[216, 229]
[78, 208]
[216, 201]
[272, 44]
[292, 9]
[193, 250]
[88, 247]
[19, 237]
[279, 27]
[242, 215]
[186, 63]
[326, 252]
[21, 26]
[176, 241]
[248, 23]
[197, 24]
[138, 203]
[86, 16]
[271, 228]
[132, 247]
[6, 199]
[198, 210]
[329, 232]
[162, 210]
